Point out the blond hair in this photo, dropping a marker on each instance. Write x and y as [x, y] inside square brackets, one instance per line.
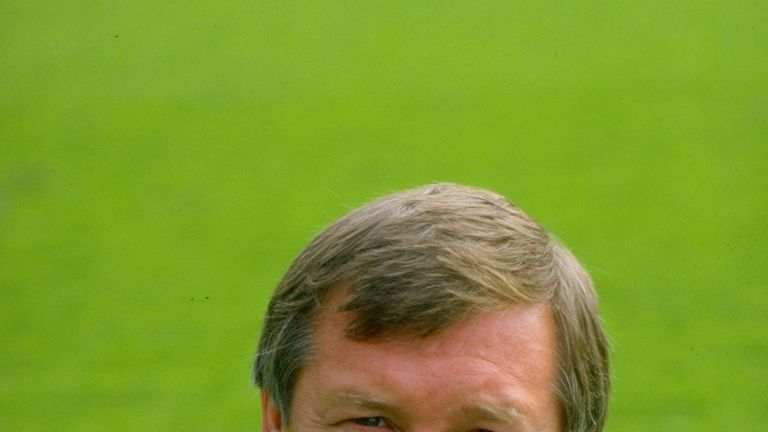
[416, 262]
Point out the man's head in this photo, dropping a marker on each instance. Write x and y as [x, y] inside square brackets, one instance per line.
[439, 275]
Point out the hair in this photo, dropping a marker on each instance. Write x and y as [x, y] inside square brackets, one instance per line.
[417, 261]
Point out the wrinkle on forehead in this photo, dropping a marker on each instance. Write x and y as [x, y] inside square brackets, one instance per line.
[495, 365]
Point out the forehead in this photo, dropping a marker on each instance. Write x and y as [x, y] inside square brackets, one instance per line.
[513, 338]
[501, 358]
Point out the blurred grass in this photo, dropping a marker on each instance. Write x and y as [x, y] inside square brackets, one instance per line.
[161, 164]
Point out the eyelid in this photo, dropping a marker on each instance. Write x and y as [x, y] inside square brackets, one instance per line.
[361, 420]
[383, 423]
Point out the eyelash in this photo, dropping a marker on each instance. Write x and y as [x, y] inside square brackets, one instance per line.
[366, 421]
[381, 422]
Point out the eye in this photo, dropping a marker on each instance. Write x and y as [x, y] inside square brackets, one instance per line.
[370, 421]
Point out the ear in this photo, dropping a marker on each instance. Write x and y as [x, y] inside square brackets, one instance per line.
[271, 418]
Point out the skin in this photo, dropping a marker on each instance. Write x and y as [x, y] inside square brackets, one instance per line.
[493, 371]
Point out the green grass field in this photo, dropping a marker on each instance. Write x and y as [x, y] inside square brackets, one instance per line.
[161, 163]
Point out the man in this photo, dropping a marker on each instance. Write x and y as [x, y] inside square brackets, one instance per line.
[442, 308]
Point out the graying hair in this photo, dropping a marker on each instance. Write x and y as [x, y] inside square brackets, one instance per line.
[414, 263]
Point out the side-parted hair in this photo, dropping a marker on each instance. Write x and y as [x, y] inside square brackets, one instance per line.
[415, 262]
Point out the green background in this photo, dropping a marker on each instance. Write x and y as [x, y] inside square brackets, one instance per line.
[161, 163]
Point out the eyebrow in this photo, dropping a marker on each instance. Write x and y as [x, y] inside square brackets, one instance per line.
[504, 413]
[359, 400]
[365, 401]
